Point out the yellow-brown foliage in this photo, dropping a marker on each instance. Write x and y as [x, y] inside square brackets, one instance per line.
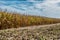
[11, 20]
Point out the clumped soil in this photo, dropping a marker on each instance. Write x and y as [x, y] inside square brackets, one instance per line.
[42, 33]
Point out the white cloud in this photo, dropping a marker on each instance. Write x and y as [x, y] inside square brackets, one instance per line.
[51, 8]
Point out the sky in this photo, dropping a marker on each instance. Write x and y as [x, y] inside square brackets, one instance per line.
[47, 8]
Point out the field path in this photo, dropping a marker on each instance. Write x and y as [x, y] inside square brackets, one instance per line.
[34, 27]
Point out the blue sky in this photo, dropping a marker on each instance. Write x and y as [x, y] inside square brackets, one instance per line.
[48, 8]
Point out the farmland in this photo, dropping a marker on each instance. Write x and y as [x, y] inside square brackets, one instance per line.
[14, 26]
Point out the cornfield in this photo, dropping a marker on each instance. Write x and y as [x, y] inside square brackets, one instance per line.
[14, 20]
